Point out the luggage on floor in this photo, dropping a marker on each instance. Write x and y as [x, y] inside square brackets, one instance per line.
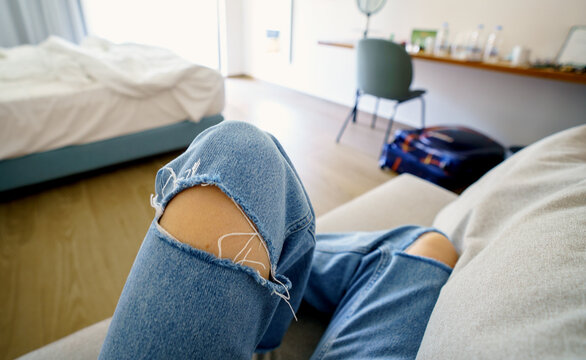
[452, 157]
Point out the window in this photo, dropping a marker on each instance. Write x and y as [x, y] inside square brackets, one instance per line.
[188, 28]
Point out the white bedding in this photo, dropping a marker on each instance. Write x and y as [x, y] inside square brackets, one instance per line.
[57, 94]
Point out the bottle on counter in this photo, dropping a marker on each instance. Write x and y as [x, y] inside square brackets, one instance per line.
[458, 47]
[493, 46]
[441, 41]
[475, 44]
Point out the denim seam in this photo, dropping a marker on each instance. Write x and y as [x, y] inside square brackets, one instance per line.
[376, 275]
[300, 224]
[363, 292]
[360, 251]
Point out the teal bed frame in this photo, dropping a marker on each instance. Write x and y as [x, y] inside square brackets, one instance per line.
[70, 160]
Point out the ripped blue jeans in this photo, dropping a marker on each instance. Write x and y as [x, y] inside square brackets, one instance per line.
[180, 302]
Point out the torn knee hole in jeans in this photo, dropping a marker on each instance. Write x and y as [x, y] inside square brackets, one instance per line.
[235, 246]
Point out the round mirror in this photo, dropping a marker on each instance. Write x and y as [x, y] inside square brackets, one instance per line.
[370, 6]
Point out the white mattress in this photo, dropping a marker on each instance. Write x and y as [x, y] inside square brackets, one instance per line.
[58, 94]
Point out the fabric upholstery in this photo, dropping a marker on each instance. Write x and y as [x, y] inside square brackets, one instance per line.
[84, 344]
[404, 200]
[519, 288]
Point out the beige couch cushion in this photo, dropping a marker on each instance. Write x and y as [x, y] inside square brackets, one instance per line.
[519, 288]
[404, 200]
[84, 344]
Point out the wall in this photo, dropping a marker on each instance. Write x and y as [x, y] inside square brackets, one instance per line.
[231, 39]
[513, 109]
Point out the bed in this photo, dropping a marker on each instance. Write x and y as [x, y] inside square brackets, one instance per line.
[67, 109]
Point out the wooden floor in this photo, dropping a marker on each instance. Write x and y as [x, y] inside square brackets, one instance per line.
[65, 251]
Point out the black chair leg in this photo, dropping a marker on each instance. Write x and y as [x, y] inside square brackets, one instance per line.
[374, 114]
[352, 116]
[391, 120]
[422, 112]
[355, 110]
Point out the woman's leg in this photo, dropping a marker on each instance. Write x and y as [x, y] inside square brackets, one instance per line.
[201, 216]
[226, 258]
[380, 287]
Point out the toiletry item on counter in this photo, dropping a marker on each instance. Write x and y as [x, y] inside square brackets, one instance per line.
[441, 41]
[475, 44]
[520, 56]
[493, 46]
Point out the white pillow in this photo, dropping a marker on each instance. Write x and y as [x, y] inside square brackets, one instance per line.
[519, 288]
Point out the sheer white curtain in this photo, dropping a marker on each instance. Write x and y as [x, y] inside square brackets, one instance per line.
[32, 21]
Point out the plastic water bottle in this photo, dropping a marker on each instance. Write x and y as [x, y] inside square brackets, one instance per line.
[475, 45]
[493, 45]
[441, 41]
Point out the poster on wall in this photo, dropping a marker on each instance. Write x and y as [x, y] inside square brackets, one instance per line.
[277, 30]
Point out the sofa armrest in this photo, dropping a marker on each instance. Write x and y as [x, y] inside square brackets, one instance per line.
[83, 344]
[403, 200]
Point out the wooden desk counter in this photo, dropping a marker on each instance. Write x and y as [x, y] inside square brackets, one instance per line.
[499, 67]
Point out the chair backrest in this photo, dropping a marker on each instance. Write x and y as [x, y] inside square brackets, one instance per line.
[384, 68]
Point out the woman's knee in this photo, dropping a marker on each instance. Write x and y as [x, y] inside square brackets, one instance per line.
[231, 151]
[244, 139]
[207, 219]
[436, 246]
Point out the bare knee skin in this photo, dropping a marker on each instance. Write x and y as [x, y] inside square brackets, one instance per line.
[436, 246]
[203, 216]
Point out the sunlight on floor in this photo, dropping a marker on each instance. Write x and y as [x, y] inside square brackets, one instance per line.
[275, 118]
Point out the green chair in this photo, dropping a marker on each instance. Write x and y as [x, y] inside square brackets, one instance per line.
[384, 70]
